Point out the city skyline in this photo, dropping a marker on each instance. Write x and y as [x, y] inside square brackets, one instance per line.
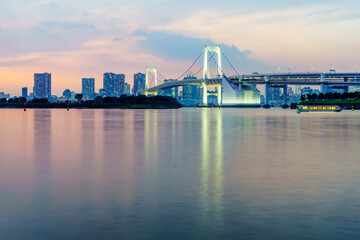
[86, 39]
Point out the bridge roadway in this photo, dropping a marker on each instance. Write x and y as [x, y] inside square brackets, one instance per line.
[292, 76]
[327, 79]
[187, 82]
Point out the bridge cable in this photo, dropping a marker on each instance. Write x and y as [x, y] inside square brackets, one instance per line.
[211, 57]
[219, 67]
[230, 64]
[161, 75]
[190, 66]
[151, 81]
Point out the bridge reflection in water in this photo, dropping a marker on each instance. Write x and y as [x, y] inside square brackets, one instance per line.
[211, 170]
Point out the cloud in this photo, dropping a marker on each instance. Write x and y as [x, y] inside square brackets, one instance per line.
[184, 48]
[18, 63]
[46, 36]
[311, 35]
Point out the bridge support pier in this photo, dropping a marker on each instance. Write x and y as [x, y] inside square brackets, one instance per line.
[205, 94]
[219, 95]
[267, 86]
[285, 94]
[322, 80]
[323, 88]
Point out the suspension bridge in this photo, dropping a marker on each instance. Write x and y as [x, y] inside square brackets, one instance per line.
[232, 88]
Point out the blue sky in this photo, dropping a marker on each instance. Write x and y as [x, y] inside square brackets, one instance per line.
[75, 39]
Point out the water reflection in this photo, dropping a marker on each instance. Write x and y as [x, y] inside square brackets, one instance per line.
[151, 136]
[211, 169]
[178, 174]
[42, 171]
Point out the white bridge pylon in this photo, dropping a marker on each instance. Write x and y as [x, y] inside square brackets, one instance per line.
[217, 50]
[206, 74]
[148, 70]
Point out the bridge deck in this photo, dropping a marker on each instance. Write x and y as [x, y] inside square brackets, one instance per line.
[330, 79]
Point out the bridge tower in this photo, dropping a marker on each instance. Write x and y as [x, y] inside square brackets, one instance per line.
[148, 70]
[217, 50]
[206, 74]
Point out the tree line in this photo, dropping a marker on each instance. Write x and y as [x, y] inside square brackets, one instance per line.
[122, 100]
[331, 96]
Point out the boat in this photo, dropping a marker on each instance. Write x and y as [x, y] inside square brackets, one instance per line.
[319, 108]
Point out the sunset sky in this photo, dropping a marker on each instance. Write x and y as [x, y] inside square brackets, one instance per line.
[75, 39]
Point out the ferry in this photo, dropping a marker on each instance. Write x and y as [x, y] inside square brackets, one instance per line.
[318, 108]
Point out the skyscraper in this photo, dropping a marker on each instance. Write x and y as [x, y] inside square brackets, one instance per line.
[114, 84]
[88, 87]
[192, 92]
[127, 89]
[170, 91]
[139, 83]
[24, 92]
[42, 85]
[119, 84]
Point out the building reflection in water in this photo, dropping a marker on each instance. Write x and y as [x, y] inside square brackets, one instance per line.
[151, 137]
[211, 169]
[42, 169]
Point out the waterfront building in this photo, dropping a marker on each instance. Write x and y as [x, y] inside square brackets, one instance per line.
[127, 89]
[114, 84]
[139, 83]
[275, 94]
[193, 92]
[4, 95]
[306, 90]
[24, 92]
[102, 92]
[73, 94]
[354, 89]
[120, 84]
[67, 94]
[173, 92]
[42, 85]
[88, 87]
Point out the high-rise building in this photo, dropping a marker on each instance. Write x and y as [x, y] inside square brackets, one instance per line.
[42, 85]
[139, 83]
[127, 89]
[24, 92]
[119, 84]
[170, 91]
[88, 87]
[109, 87]
[275, 93]
[102, 92]
[192, 92]
[114, 84]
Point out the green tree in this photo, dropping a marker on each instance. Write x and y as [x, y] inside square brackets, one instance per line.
[79, 97]
[314, 96]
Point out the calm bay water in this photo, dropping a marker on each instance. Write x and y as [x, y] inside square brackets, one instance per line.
[179, 174]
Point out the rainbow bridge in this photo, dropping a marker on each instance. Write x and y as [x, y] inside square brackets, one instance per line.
[241, 89]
